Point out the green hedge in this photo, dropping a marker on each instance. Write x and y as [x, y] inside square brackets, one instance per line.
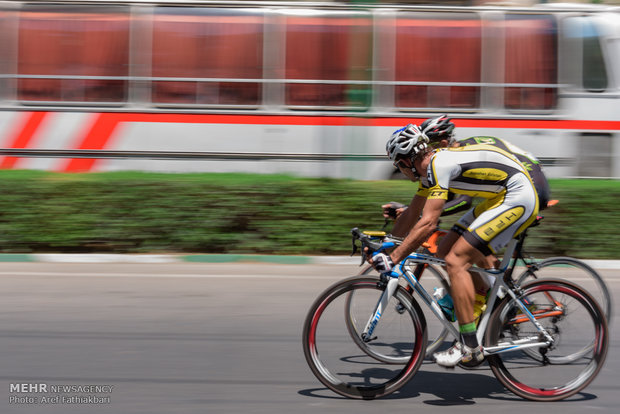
[265, 214]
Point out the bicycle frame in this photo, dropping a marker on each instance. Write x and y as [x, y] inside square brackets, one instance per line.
[504, 283]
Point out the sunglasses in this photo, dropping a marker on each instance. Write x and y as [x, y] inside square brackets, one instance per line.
[402, 163]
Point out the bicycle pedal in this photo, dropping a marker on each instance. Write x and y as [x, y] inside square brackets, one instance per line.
[473, 364]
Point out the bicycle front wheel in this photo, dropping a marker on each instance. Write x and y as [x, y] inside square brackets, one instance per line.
[430, 278]
[338, 362]
[579, 330]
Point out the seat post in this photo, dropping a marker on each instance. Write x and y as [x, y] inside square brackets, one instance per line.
[510, 249]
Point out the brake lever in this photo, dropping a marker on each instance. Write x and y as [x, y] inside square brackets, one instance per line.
[387, 221]
[354, 247]
[366, 244]
[354, 236]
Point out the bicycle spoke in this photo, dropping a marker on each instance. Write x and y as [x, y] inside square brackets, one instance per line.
[431, 278]
[579, 335]
[573, 271]
[340, 363]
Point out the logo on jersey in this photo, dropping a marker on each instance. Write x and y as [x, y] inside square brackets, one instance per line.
[485, 140]
[487, 174]
[430, 176]
[528, 166]
[498, 224]
[440, 193]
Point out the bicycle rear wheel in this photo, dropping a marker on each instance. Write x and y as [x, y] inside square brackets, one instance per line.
[436, 332]
[337, 361]
[572, 318]
[574, 271]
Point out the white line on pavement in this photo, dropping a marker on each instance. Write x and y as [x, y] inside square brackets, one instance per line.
[209, 276]
[167, 275]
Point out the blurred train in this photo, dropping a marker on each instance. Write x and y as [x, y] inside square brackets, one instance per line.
[312, 89]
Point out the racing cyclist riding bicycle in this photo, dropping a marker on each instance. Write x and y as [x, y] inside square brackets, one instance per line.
[510, 205]
[440, 132]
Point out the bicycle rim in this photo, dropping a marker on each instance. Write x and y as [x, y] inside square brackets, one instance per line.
[573, 318]
[338, 362]
[436, 332]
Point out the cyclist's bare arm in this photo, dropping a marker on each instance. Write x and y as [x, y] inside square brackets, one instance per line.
[409, 217]
[462, 202]
[422, 228]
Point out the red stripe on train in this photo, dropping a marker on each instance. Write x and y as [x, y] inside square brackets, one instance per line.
[23, 135]
[362, 121]
[96, 137]
[101, 131]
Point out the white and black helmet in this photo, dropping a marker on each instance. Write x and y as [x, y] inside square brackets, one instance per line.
[437, 129]
[409, 141]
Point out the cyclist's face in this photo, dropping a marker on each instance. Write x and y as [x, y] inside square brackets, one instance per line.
[403, 163]
[405, 166]
[421, 164]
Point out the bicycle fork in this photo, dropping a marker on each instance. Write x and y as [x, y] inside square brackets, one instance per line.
[392, 285]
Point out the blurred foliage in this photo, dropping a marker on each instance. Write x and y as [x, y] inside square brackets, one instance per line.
[264, 214]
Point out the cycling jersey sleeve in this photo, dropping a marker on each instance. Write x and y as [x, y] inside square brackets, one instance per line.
[423, 189]
[439, 174]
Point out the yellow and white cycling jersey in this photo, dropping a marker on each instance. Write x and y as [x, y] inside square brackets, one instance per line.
[491, 173]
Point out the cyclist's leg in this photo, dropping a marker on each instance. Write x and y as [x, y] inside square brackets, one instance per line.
[446, 243]
[480, 285]
[497, 221]
[458, 262]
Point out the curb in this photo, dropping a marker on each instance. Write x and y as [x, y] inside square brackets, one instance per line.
[214, 258]
[163, 258]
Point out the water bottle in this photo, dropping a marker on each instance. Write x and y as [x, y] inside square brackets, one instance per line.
[501, 292]
[445, 302]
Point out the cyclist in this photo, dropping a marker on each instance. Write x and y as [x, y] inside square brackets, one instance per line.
[510, 205]
[440, 132]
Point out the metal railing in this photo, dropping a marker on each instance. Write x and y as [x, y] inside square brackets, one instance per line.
[215, 156]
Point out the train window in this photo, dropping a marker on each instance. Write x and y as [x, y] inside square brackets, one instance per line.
[531, 61]
[594, 71]
[4, 53]
[584, 35]
[73, 54]
[211, 56]
[328, 59]
[434, 51]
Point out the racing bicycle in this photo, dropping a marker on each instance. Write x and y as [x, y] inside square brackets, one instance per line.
[554, 267]
[544, 340]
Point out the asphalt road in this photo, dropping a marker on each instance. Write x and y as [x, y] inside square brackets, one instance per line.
[209, 338]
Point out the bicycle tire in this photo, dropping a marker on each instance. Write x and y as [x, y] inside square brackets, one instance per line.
[436, 332]
[521, 374]
[588, 278]
[334, 358]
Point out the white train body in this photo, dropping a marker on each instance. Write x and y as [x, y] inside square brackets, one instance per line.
[301, 88]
